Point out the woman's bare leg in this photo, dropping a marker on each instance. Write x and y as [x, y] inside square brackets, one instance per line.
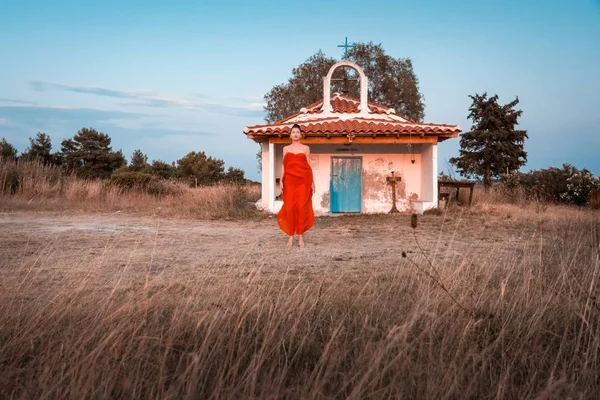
[300, 240]
[290, 240]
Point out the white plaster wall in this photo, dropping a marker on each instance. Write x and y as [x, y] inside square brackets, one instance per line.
[429, 180]
[278, 168]
[427, 174]
[265, 176]
[378, 162]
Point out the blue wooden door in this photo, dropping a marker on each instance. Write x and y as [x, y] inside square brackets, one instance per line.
[346, 184]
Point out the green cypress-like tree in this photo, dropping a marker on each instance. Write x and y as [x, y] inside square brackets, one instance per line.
[494, 145]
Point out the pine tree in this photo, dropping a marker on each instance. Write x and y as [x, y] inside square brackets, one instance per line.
[162, 169]
[89, 153]
[40, 149]
[7, 150]
[139, 161]
[494, 145]
[198, 167]
[235, 175]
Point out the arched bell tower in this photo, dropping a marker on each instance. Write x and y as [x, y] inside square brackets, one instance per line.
[364, 88]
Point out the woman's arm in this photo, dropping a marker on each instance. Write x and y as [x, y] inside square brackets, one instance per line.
[308, 159]
[282, 170]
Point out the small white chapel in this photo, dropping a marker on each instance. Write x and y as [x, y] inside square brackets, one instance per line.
[365, 157]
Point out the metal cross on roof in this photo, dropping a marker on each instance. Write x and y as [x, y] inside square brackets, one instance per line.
[346, 46]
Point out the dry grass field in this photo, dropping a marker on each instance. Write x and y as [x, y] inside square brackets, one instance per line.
[196, 296]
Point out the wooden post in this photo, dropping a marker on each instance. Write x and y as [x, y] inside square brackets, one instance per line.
[471, 195]
[392, 181]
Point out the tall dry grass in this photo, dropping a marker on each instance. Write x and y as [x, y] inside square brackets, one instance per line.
[502, 324]
[514, 203]
[528, 326]
[595, 199]
[30, 185]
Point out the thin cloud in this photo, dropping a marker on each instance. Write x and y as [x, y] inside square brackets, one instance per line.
[150, 99]
[256, 106]
[247, 99]
[255, 103]
[36, 117]
[40, 113]
[13, 101]
[125, 128]
[153, 99]
[200, 95]
[237, 111]
[65, 121]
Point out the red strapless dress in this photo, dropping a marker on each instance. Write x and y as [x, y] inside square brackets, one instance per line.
[297, 215]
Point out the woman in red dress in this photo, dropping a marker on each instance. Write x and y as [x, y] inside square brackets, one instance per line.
[297, 187]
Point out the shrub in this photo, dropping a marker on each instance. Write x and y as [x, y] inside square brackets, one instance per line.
[129, 180]
[567, 185]
[143, 182]
[162, 169]
[579, 187]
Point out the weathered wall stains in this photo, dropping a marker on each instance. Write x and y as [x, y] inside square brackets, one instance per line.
[377, 193]
[374, 188]
[325, 200]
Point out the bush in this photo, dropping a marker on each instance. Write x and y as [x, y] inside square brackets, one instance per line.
[129, 180]
[579, 187]
[162, 169]
[143, 182]
[567, 185]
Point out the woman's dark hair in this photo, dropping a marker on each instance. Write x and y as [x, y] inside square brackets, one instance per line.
[295, 126]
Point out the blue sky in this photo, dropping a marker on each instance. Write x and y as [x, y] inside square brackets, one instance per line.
[169, 77]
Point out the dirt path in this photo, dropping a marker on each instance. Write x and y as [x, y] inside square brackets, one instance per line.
[359, 246]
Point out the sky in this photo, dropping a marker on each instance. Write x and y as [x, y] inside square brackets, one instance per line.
[170, 77]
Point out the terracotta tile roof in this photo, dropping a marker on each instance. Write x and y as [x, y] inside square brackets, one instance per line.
[344, 104]
[357, 126]
[346, 119]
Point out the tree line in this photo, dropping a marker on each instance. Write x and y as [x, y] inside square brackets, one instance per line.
[89, 155]
[493, 150]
